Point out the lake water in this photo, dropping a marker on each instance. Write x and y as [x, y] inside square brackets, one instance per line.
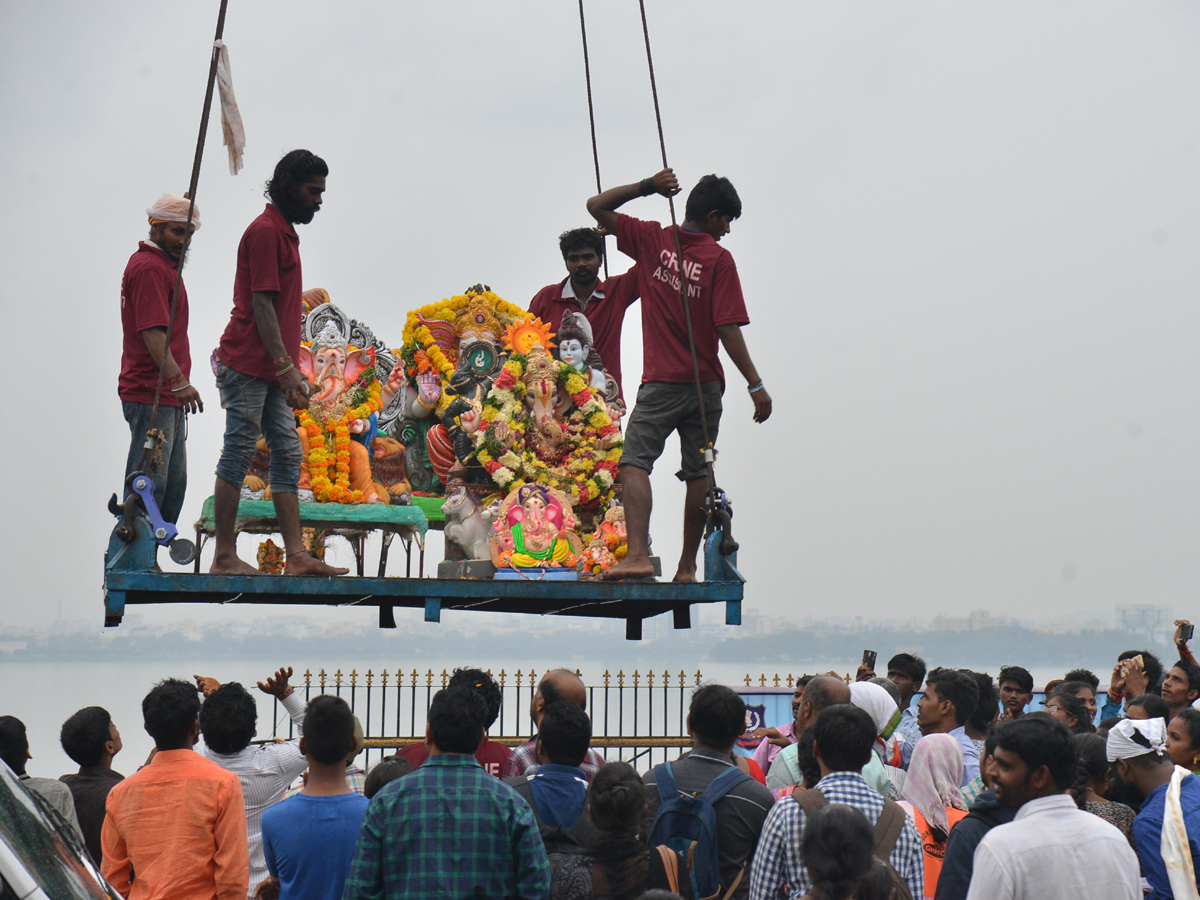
[44, 694]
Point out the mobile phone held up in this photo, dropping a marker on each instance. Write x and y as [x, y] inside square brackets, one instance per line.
[869, 659]
[1186, 632]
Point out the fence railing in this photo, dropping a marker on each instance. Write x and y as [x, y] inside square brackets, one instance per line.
[639, 717]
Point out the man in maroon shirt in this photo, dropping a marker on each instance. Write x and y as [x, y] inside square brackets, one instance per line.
[602, 302]
[256, 374]
[491, 755]
[146, 290]
[666, 399]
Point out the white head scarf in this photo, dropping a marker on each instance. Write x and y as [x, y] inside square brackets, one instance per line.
[877, 703]
[169, 208]
[1136, 737]
[934, 779]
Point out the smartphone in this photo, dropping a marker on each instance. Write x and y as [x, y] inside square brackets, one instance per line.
[869, 659]
[1186, 632]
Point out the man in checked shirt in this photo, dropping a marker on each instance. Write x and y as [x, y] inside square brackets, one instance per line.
[227, 722]
[449, 829]
[844, 737]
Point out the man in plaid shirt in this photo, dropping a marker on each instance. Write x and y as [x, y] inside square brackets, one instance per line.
[844, 738]
[557, 684]
[449, 829]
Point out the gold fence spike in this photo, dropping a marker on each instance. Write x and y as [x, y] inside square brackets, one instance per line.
[353, 677]
[789, 679]
[502, 678]
[532, 677]
[369, 676]
[747, 679]
[666, 678]
[308, 677]
[321, 675]
[635, 677]
[518, 677]
[445, 677]
[650, 678]
[415, 676]
[681, 677]
[776, 679]
[620, 678]
[698, 676]
[337, 676]
[429, 678]
[762, 680]
[606, 677]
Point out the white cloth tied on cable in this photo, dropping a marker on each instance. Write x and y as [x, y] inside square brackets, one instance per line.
[231, 118]
[1136, 737]
[1176, 852]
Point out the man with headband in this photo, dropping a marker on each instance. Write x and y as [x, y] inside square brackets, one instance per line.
[1168, 827]
[146, 291]
[1051, 848]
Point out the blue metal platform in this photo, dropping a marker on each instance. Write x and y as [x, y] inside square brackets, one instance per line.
[130, 579]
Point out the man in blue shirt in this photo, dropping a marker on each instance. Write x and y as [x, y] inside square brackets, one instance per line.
[1138, 747]
[949, 699]
[557, 791]
[309, 838]
[907, 672]
[449, 830]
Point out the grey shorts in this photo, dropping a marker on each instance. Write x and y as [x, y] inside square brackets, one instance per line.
[663, 407]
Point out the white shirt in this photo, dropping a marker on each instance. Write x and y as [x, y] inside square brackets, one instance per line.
[1054, 850]
[265, 773]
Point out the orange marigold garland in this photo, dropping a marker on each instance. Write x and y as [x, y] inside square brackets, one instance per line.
[336, 431]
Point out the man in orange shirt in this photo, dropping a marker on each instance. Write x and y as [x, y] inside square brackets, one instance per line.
[179, 822]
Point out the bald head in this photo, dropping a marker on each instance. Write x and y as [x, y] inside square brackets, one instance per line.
[821, 693]
[557, 684]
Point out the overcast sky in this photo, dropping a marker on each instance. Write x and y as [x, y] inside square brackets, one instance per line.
[968, 248]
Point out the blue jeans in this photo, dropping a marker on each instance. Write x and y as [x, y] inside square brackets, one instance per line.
[170, 478]
[255, 406]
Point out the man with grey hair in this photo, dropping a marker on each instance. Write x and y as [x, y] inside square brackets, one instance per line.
[821, 693]
[147, 288]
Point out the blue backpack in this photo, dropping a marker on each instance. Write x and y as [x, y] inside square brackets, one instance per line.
[687, 824]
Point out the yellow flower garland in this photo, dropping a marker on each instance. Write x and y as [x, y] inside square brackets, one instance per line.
[447, 310]
[319, 457]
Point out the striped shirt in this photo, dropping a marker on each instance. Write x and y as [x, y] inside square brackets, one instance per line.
[448, 830]
[777, 860]
[265, 773]
[524, 762]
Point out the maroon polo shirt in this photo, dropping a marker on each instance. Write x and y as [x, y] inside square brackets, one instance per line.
[146, 290]
[268, 259]
[605, 314]
[491, 755]
[714, 295]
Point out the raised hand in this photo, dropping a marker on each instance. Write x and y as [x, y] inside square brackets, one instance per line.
[277, 685]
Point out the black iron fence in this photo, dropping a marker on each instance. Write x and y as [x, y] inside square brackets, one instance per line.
[639, 718]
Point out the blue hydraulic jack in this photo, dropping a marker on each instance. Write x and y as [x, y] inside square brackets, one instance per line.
[140, 532]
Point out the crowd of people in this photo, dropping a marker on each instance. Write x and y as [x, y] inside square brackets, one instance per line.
[969, 792]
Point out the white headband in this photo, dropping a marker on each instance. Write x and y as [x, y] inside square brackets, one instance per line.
[1135, 737]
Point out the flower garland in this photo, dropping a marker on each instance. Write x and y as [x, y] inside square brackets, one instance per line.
[364, 400]
[417, 336]
[584, 472]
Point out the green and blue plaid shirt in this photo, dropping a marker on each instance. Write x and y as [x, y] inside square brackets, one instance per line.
[448, 830]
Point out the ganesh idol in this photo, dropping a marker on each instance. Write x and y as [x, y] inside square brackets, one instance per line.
[339, 431]
[534, 529]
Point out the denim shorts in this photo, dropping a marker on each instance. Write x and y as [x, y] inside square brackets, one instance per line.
[663, 407]
[253, 407]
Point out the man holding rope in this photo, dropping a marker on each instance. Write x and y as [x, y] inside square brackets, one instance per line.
[146, 290]
[667, 398]
[256, 374]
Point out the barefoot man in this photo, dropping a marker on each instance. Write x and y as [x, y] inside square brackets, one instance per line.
[256, 374]
[666, 399]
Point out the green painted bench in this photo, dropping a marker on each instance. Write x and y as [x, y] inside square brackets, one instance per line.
[353, 522]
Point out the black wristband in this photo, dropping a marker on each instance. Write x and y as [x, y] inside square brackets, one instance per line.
[647, 186]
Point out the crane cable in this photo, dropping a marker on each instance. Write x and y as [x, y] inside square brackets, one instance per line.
[587, 74]
[713, 512]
